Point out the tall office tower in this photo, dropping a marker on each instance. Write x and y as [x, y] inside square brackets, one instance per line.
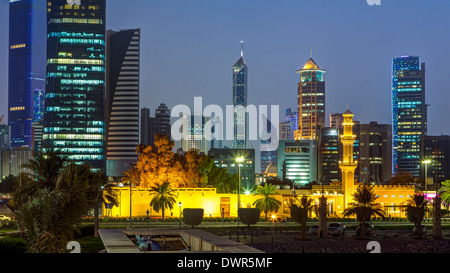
[436, 149]
[217, 133]
[329, 155]
[5, 137]
[122, 100]
[336, 120]
[240, 94]
[144, 132]
[150, 126]
[292, 118]
[268, 153]
[74, 114]
[375, 157]
[286, 131]
[26, 75]
[195, 138]
[409, 113]
[311, 101]
[37, 130]
[347, 164]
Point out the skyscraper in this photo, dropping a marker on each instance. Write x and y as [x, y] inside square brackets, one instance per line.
[150, 126]
[195, 137]
[26, 77]
[336, 120]
[311, 101]
[329, 155]
[375, 158]
[436, 149]
[122, 100]
[240, 94]
[409, 113]
[74, 114]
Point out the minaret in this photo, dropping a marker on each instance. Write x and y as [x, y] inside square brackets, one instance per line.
[347, 165]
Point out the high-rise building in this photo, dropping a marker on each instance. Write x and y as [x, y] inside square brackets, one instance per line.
[268, 153]
[336, 120]
[195, 137]
[150, 126]
[329, 155]
[226, 159]
[285, 131]
[5, 137]
[26, 75]
[409, 113]
[122, 100]
[297, 161]
[375, 158]
[75, 87]
[311, 101]
[437, 150]
[240, 94]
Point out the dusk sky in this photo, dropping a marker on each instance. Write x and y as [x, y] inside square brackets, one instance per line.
[189, 47]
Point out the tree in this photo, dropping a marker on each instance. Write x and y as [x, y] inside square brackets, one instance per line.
[299, 211]
[100, 192]
[163, 197]
[7, 185]
[444, 192]
[132, 176]
[222, 180]
[267, 203]
[403, 179]
[364, 207]
[51, 216]
[415, 211]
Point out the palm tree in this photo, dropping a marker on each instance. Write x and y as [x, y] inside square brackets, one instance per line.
[416, 211]
[267, 203]
[51, 216]
[163, 197]
[444, 191]
[132, 176]
[300, 210]
[101, 192]
[364, 207]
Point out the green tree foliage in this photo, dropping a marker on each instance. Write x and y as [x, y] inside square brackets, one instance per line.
[364, 207]
[267, 203]
[444, 192]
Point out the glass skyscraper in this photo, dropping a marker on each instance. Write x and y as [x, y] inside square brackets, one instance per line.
[26, 77]
[409, 113]
[240, 94]
[75, 85]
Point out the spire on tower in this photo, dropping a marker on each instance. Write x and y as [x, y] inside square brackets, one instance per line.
[242, 48]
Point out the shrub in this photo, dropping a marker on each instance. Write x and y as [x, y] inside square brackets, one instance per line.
[12, 245]
[193, 217]
[249, 216]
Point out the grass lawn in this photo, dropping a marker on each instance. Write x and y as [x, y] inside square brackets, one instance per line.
[90, 244]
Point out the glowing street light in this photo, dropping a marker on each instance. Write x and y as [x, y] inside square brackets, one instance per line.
[179, 205]
[426, 162]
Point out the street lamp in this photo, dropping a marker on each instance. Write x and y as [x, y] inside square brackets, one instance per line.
[131, 182]
[426, 162]
[179, 205]
[239, 160]
[147, 217]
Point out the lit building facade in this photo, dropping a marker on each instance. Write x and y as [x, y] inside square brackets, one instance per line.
[75, 85]
[329, 155]
[310, 101]
[122, 100]
[150, 126]
[409, 113]
[26, 69]
[240, 94]
[196, 135]
[436, 149]
[375, 158]
[300, 160]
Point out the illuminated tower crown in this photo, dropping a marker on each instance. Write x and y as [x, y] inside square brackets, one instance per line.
[348, 165]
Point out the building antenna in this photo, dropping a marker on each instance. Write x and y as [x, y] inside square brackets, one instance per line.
[310, 52]
[242, 48]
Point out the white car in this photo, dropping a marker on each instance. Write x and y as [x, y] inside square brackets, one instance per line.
[336, 229]
[3, 217]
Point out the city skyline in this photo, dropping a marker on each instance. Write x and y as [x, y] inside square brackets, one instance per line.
[279, 51]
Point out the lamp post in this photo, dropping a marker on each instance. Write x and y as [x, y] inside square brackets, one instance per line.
[179, 205]
[131, 182]
[147, 217]
[239, 160]
[426, 162]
